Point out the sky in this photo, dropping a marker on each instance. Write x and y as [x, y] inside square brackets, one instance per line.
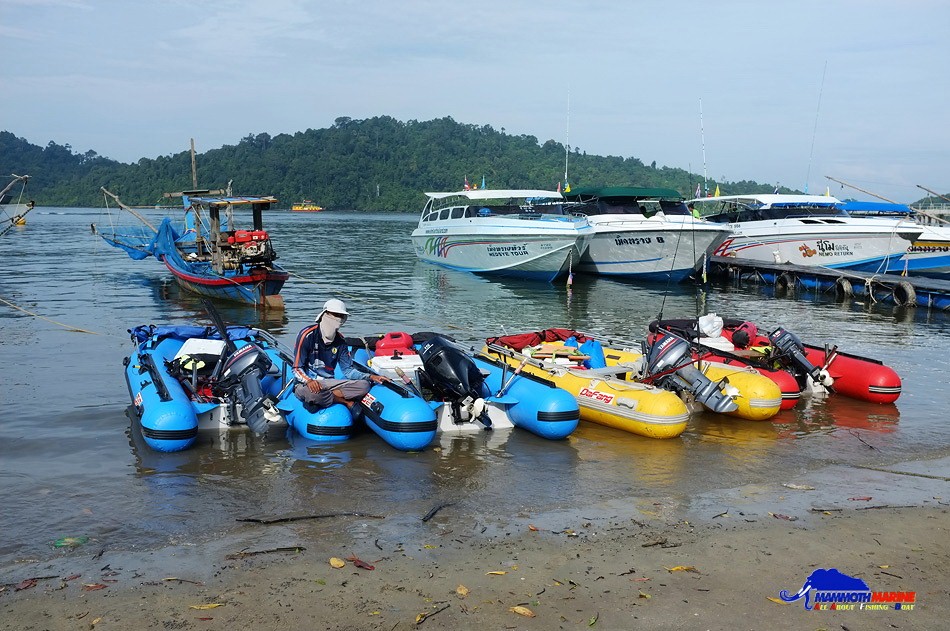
[778, 92]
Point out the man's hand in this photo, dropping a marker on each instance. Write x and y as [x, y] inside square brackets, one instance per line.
[313, 385]
[378, 379]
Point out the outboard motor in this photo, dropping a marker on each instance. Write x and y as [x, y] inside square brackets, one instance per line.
[241, 378]
[789, 347]
[670, 363]
[452, 376]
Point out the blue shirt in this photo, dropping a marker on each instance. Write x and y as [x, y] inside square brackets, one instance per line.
[316, 359]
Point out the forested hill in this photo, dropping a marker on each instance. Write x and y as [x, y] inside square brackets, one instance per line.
[376, 164]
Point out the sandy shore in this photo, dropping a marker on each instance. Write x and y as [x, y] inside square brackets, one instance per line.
[659, 572]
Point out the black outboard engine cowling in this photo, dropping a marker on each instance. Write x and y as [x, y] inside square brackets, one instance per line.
[241, 378]
[790, 348]
[452, 376]
[671, 358]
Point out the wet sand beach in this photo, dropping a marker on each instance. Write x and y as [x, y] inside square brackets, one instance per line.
[599, 566]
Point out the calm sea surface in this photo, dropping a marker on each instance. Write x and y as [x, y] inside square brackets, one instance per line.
[69, 465]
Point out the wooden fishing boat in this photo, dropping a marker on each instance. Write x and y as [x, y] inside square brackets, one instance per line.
[207, 252]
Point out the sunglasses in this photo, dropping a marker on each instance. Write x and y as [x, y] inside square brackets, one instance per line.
[341, 316]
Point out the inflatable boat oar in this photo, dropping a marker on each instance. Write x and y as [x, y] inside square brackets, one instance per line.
[408, 381]
[514, 374]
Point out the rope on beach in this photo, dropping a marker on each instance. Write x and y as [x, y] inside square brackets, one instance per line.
[71, 329]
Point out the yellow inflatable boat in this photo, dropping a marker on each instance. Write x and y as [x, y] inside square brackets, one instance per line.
[604, 396]
[753, 396]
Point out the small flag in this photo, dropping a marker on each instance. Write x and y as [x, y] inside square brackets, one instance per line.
[567, 186]
[827, 191]
[558, 187]
[483, 181]
[775, 192]
[716, 194]
[699, 191]
[467, 187]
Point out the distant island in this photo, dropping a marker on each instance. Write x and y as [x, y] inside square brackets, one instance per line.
[377, 164]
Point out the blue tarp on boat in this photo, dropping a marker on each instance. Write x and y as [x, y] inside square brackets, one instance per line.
[875, 208]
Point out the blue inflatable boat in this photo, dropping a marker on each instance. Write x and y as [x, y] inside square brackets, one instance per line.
[468, 390]
[183, 379]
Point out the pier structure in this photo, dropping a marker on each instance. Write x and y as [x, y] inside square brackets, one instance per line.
[787, 279]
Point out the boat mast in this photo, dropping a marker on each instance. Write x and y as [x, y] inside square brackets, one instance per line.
[567, 138]
[194, 169]
[702, 139]
[815, 130]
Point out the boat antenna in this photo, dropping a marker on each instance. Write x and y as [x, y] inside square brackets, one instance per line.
[567, 137]
[815, 130]
[702, 138]
[194, 170]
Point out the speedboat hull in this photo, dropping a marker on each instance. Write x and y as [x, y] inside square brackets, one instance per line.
[541, 257]
[517, 232]
[649, 249]
[862, 245]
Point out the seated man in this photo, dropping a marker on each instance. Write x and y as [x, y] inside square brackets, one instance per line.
[319, 350]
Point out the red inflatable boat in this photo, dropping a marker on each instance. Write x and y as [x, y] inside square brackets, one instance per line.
[793, 366]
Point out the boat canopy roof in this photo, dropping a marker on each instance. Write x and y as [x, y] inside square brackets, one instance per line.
[876, 208]
[488, 193]
[772, 200]
[233, 201]
[634, 192]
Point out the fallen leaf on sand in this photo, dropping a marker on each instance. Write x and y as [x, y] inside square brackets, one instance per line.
[206, 606]
[360, 563]
[496, 573]
[644, 594]
[337, 563]
[681, 568]
[799, 487]
[640, 580]
[522, 611]
[532, 528]
[593, 620]
[785, 517]
[884, 567]
[91, 587]
[777, 600]
[862, 498]
[25, 584]
[72, 577]
[461, 591]
[96, 621]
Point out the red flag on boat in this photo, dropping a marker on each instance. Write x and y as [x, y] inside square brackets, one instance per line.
[558, 187]
[467, 187]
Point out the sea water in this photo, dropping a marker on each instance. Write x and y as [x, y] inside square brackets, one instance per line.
[70, 466]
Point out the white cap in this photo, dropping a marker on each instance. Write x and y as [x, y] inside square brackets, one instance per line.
[333, 305]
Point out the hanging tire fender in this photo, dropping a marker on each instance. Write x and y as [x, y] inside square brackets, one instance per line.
[843, 288]
[784, 282]
[904, 294]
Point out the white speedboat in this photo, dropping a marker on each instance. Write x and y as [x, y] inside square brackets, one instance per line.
[807, 230]
[646, 233]
[929, 254]
[517, 232]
